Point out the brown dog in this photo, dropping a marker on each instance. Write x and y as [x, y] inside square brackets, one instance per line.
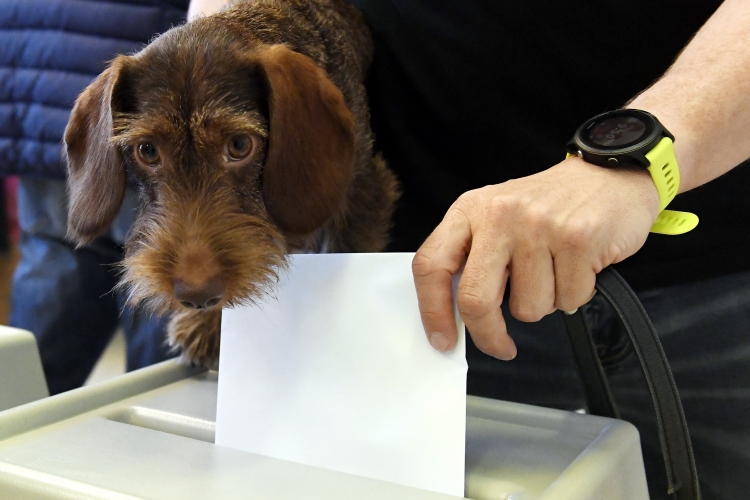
[248, 135]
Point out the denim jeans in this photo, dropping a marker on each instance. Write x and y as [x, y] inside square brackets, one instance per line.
[705, 330]
[65, 296]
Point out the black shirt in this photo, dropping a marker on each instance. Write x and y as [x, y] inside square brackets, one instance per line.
[468, 93]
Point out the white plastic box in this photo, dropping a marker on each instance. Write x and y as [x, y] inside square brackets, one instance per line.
[21, 376]
[149, 435]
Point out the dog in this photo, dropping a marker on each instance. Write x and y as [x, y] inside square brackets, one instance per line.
[247, 134]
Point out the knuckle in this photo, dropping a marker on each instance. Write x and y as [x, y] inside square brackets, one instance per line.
[501, 204]
[423, 263]
[565, 304]
[570, 299]
[472, 304]
[537, 226]
[525, 312]
[500, 211]
[568, 304]
[539, 215]
[465, 201]
[578, 234]
[533, 216]
[525, 315]
[431, 318]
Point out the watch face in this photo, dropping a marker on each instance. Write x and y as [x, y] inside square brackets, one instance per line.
[622, 137]
[616, 132]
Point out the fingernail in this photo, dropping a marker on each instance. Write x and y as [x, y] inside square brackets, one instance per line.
[512, 355]
[439, 341]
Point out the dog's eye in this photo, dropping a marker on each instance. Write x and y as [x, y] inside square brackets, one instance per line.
[239, 146]
[148, 153]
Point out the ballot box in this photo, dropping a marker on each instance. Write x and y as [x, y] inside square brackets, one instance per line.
[149, 435]
[21, 375]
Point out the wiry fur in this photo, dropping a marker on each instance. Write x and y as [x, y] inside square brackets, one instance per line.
[288, 72]
[197, 335]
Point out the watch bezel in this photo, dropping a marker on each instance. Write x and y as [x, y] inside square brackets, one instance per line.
[632, 155]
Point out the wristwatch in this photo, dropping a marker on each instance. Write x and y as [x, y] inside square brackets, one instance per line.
[635, 138]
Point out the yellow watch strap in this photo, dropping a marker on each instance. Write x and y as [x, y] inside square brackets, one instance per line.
[664, 171]
[673, 222]
[666, 177]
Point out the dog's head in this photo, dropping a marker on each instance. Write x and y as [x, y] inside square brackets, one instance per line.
[236, 147]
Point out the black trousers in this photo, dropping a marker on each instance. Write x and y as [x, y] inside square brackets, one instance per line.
[705, 330]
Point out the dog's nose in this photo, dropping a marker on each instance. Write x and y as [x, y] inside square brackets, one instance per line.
[201, 296]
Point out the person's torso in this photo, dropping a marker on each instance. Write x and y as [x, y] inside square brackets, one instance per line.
[465, 94]
[49, 52]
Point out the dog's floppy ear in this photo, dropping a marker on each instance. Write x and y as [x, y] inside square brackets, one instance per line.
[96, 173]
[310, 159]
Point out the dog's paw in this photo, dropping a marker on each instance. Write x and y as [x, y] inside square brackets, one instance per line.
[196, 334]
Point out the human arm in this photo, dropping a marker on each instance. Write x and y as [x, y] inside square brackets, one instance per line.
[552, 232]
[704, 98]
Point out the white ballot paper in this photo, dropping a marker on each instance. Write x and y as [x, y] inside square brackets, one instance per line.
[335, 371]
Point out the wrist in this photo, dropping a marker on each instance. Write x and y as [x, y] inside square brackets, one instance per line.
[636, 181]
[686, 150]
[635, 138]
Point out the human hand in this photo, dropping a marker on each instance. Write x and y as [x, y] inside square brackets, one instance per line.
[548, 234]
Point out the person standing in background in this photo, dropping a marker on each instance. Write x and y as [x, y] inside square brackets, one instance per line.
[50, 52]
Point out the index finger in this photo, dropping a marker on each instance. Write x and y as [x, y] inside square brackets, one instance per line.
[440, 257]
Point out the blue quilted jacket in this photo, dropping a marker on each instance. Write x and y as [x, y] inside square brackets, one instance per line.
[49, 51]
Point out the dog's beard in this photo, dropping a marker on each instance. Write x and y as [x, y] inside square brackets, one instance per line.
[247, 249]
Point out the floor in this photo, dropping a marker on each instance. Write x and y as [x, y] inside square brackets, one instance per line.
[112, 362]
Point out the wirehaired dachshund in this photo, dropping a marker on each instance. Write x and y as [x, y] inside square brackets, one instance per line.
[247, 133]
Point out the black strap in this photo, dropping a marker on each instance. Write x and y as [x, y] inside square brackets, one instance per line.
[682, 477]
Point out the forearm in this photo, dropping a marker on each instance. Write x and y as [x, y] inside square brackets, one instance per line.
[704, 98]
[205, 7]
